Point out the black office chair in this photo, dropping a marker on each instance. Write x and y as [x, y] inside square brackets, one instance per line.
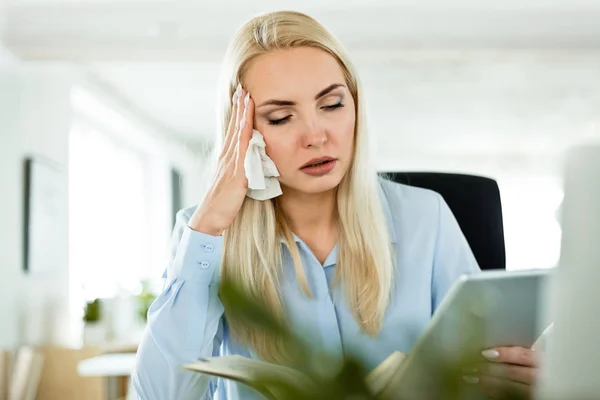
[475, 203]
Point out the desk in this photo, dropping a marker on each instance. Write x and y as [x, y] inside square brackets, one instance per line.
[111, 366]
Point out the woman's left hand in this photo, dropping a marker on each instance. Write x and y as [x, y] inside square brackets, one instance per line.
[513, 369]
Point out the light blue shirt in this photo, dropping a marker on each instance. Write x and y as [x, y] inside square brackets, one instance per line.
[186, 321]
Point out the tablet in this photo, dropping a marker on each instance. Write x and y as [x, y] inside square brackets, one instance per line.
[483, 310]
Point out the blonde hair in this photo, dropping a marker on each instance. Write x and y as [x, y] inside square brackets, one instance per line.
[252, 251]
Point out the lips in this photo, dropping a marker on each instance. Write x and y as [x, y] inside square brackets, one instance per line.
[315, 162]
[319, 167]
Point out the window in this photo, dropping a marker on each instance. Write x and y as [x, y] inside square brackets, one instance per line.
[531, 228]
[119, 204]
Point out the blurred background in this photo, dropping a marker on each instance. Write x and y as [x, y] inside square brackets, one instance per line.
[107, 114]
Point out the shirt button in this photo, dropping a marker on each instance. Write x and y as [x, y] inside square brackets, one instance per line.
[204, 264]
[209, 248]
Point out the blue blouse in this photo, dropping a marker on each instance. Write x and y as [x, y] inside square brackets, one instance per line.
[186, 321]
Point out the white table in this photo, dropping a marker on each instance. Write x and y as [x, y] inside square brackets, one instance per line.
[110, 366]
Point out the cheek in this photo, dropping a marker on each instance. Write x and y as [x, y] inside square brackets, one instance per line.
[278, 149]
[343, 133]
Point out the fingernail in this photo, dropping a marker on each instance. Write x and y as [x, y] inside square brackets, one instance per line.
[490, 354]
[238, 90]
[246, 100]
[471, 379]
[236, 94]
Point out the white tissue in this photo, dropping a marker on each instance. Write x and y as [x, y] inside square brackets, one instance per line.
[260, 170]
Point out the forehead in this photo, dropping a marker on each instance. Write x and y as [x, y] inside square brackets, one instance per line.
[297, 72]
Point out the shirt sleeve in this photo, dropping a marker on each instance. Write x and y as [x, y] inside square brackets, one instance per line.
[453, 256]
[184, 322]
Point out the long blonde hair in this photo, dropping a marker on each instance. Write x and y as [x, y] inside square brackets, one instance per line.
[252, 255]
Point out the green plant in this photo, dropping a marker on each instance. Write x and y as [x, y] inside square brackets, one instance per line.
[348, 381]
[93, 311]
[145, 300]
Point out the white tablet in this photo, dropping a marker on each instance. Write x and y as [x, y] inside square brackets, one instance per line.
[483, 310]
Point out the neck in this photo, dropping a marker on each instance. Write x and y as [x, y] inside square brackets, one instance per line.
[307, 213]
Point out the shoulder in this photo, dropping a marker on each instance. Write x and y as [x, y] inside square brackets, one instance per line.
[429, 237]
[413, 214]
[401, 199]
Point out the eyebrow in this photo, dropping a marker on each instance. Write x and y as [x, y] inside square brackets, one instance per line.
[322, 93]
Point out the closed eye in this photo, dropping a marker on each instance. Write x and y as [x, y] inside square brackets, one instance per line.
[280, 121]
[283, 120]
[333, 107]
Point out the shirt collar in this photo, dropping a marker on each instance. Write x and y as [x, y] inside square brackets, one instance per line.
[296, 238]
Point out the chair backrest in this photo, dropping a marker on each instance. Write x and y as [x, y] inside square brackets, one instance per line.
[475, 203]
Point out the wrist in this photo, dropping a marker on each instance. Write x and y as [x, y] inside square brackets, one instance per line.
[203, 224]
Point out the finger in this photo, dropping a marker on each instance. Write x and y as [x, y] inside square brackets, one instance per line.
[230, 133]
[499, 389]
[238, 119]
[235, 119]
[515, 373]
[246, 125]
[512, 355]
[239, 112]
[245, 121]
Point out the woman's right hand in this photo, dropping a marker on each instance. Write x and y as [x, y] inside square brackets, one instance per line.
[229, 186]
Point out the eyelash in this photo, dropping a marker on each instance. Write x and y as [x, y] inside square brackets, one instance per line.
[284, 120]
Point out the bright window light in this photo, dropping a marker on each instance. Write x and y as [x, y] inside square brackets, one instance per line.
[531, 228]
[119, 204]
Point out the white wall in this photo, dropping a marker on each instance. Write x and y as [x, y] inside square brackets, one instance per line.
[35, 117]
[490, 111]
[6, 57]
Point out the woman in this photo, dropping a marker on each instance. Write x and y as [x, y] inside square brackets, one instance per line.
[394, 250]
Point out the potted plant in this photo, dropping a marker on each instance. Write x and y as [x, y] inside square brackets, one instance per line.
[144, 301]
[94, 329]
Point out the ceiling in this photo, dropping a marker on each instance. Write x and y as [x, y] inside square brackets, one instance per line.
[199, 30]
[468, 75]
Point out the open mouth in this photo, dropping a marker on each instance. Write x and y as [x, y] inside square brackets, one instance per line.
[317, 164]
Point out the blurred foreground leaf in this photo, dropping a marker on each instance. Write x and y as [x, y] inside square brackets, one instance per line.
[327, 377]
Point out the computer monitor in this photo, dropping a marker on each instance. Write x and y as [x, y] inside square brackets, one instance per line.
[569, 367]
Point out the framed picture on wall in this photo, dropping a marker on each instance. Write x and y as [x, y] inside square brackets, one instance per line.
[176, 193]
[45, 216]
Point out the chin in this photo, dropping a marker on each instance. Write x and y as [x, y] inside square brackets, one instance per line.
[310, 185]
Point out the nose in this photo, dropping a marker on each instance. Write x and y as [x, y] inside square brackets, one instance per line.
[314, 136]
